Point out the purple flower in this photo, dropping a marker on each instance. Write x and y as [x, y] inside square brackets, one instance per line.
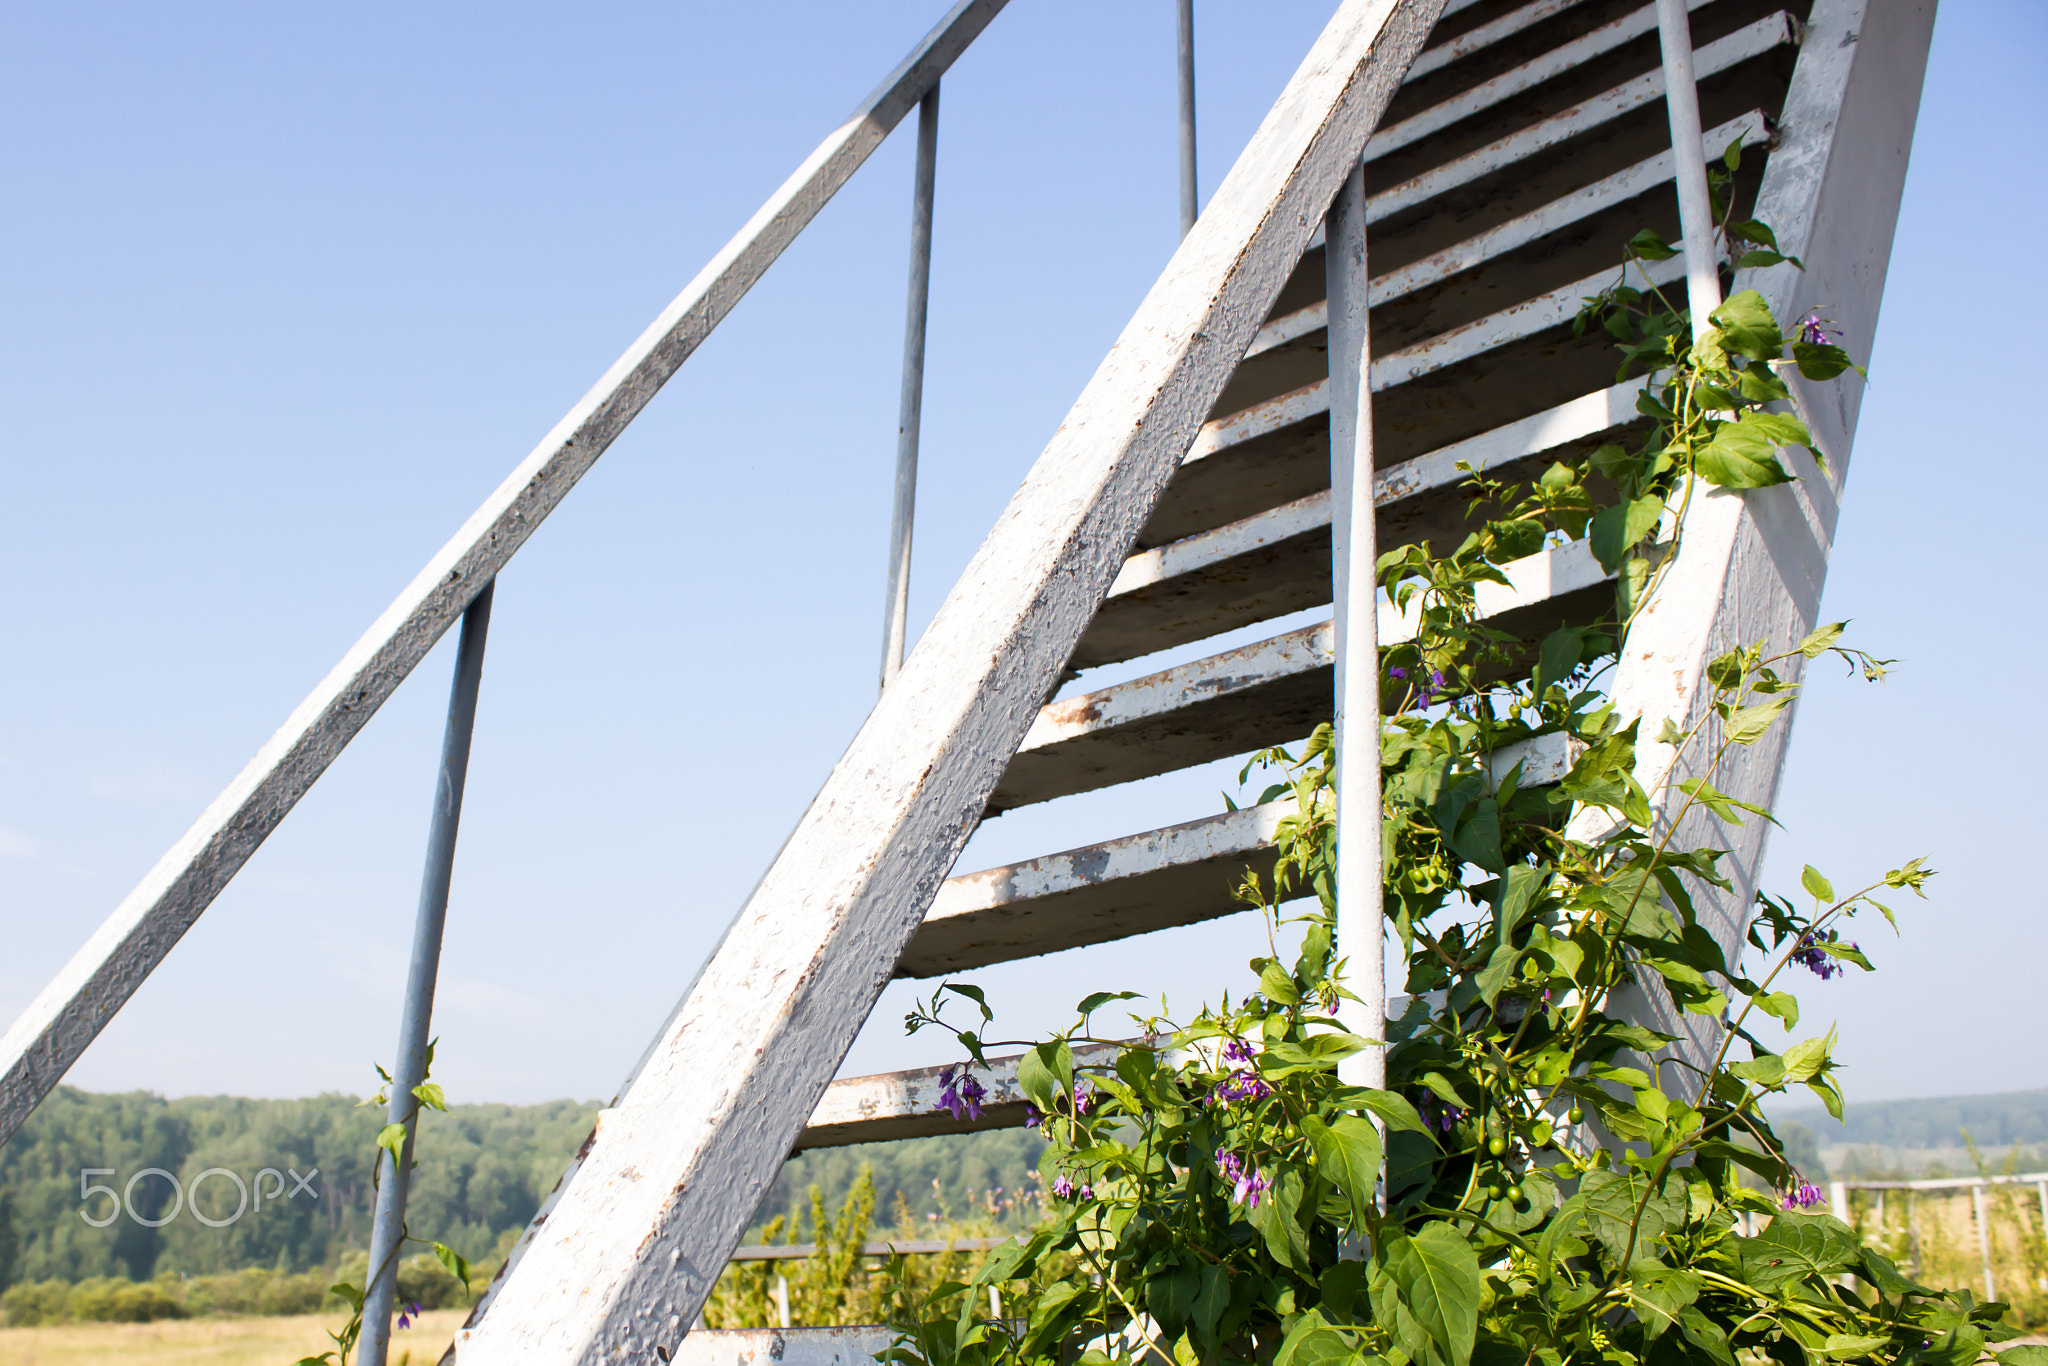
[962, 1095]
[1814, 330]
[408, 1314]
[1087, 1191]
[1804, 1196]
[1239, 1085]
[1084, 1095]
[1246, 1184]
[1033, 1116]
[1237, 1050]
[1811, 956]
[1062, 1187]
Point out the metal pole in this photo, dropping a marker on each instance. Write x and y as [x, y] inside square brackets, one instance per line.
[1984, 1241]
[1360, 929]
[1188, 202]
[1695, 210]
[782, 1300]
[911, 405]
[387, 1229]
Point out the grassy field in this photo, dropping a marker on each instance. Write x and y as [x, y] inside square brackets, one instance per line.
[210, 1342]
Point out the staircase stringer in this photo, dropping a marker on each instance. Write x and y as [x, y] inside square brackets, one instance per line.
[1751, 565]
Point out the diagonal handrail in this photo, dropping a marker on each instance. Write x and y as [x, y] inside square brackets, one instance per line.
[640, 1230]
[79, 1002]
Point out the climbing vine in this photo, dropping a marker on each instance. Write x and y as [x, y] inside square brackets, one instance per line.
[1545, 1178]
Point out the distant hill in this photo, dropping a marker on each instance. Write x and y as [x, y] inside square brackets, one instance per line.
[1995, 1121]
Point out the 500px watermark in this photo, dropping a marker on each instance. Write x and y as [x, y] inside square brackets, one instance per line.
[124, 1199]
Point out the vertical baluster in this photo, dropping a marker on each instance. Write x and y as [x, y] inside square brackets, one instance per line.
[1695, 211]
[1186, 54]
[1983, 1239]
[1360, 930]
[414, 1025]
[910, 408]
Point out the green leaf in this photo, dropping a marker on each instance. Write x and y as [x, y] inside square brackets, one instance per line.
[1720, 803]
[1747, 725]
[1612, 1199]
[1038, 1077]
[1348, 1153]
[1436, 1274]
[454, 1261]
[1651, 247]
[1313, 1342]
[1395, 1111]
[1796, 1246]
[1660, 1295]
[1816, 885]
[1561, 652]
[1782, 1004]
[1741, 455]
[1848, 1345]
[1276, 1219]
[1614, 530]
[1805, 1058]
[392, 1138]
[429, 1094]
[1880, 1272]
[1821, 361]
[1822, 639]
[1278, 984]
[1093, 1003]
[2026, 1354]
[1747, 327]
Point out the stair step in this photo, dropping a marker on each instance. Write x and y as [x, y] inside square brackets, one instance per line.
[1530, 74]
[1270, 692]
[1277, 449]
[1181, 875]
[1596, 198]
[1278, 561]
[1749, 41]
[890, 1105]
[1441, 55]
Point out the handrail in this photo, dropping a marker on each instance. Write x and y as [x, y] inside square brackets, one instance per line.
[79, 1002]
[641, 1227]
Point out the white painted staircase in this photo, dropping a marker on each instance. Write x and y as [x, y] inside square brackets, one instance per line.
[1510, 149]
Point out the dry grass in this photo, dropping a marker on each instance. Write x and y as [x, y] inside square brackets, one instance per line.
[210, 1342]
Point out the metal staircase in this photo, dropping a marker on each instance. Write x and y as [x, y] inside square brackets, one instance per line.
[1509, 148]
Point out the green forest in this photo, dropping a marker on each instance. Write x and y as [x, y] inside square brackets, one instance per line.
[483, 1172]
[484, 1169]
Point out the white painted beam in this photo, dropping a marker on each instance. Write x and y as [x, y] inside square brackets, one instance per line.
[70, 1012]
[892, 1105]
[656, 1204]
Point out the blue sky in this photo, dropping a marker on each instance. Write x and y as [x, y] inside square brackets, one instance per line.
[287, 291]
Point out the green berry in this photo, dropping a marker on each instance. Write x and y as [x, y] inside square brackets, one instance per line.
[1575, 1115]
[1496, 1145]
[1514, 1195]
[1494, 1192]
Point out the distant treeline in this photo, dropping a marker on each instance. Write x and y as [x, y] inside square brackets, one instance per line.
[483, 1171]
[1992, 1121]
